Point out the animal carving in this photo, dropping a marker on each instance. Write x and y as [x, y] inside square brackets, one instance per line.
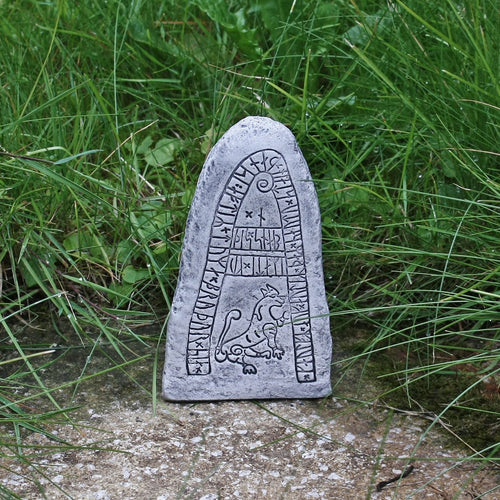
[259, 339]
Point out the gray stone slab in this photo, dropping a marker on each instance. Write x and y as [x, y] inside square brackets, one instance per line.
[249, 318]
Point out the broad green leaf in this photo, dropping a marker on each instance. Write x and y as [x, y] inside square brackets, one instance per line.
[125, 250]
[163, 153]
[132, 275]
[373, 25]
[235, 25]
[144, 146]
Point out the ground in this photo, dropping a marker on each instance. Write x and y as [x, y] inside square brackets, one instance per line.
[334, 448]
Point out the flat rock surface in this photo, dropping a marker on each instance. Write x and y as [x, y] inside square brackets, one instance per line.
[336, 448]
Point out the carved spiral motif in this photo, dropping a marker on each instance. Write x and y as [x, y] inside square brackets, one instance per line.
[264, 182]
[237, 350]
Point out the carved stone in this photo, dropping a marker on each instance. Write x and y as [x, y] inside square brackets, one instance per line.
[249, 318]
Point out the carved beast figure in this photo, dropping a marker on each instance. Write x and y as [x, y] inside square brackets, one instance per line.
[259, 339]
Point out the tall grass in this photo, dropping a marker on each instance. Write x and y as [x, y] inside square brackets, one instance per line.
[109, 108]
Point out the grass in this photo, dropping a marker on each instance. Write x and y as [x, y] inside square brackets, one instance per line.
[109, 108]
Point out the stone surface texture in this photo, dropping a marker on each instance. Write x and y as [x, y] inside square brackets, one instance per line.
[249, 318]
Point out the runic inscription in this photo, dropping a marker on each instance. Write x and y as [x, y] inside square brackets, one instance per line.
[249, 318]
[261, 238]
